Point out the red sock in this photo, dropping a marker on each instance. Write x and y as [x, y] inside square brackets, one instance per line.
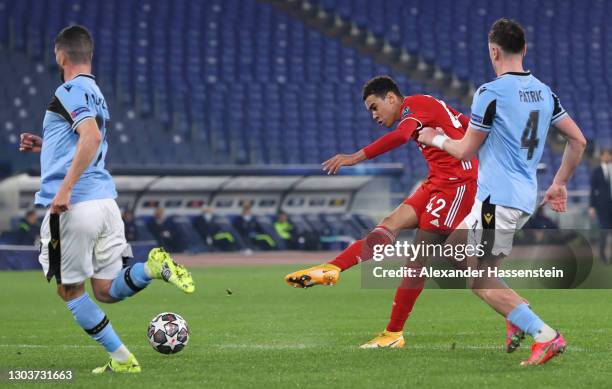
[405, 297]
[358, 251]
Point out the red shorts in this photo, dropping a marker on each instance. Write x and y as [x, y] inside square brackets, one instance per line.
[442, 207]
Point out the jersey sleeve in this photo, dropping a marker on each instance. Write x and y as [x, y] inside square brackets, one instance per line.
[402, 134]
[558, 111]
[74, 101]
[483, 109]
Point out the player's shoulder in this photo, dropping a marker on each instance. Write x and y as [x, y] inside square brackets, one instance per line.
[69, 88]
[78, 85]
[491, 88]
[418, 102]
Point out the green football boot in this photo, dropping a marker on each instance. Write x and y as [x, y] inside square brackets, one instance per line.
[163, 267]
[113, 366]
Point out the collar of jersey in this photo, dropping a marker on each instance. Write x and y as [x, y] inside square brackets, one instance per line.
[85, 75]
[527, 73]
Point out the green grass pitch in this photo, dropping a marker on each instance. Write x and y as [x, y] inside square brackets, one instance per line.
[266, 334]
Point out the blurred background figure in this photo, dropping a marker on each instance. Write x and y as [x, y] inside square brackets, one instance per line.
[251, 232]
[537, 229]
[285, 230]
[162, 229]
[28, 229]
[131, 231]
[601, 202]
[215, 237]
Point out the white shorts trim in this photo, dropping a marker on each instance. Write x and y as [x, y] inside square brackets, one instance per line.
[507, 221]
[92, 241]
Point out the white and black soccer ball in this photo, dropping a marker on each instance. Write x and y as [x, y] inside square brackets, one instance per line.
[168, 333]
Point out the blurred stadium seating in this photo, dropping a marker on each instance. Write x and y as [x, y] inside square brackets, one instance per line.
[209, 82]
[575, 61]
[202, 81]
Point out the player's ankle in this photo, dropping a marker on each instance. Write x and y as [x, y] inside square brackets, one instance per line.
[148, 270]
[121, 355]
[546, 334]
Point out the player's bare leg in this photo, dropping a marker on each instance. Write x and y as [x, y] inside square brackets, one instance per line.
[93, 320]
[519, 316]
[403, 217]
[405, 298]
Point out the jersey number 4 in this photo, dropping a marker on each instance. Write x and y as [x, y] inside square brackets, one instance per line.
[530, 140]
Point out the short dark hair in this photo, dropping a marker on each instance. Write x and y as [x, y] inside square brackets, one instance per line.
[508, 34]
[379, 86]
[76, 42]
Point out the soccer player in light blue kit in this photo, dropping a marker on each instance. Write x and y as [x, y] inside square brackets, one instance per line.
[510, 119]
[82, 235]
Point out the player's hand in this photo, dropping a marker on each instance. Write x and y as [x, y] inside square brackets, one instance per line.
[61, 201]
[333, 165]
[427, 134]
[30, 142]
[556, 197]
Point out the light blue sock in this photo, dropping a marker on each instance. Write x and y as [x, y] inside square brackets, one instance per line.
[93, 320]
[130, 281]
[523, 317]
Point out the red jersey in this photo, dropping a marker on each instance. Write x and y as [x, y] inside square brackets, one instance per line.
[420, 111]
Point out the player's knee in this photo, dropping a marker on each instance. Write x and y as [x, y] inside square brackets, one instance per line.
[390, 223]
[102, 293]
[103, 296]
[484, 294]
[70, 291]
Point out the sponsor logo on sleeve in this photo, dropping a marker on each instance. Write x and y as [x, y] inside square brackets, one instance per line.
[405, 112]
[476, 118]
[79, 111]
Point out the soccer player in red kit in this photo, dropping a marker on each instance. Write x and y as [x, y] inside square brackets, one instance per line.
[437, 206]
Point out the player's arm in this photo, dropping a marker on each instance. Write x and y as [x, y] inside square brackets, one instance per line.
[86, 150]
[576, 143]
[464, 149]
[385, 143]
[556, 195]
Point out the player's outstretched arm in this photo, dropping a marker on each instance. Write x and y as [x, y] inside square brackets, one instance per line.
[556, 195]
[86, 149]
[387, 142]
[333, 165]
[30, 142]
[464, 149]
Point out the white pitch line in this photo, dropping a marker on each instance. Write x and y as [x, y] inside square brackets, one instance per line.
[253, 346]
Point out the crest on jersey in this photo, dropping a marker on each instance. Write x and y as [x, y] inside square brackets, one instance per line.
[405, 112]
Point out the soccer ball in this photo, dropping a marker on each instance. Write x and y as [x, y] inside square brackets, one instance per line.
[168, 333]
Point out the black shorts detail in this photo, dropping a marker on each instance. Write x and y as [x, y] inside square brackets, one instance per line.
[99, 327]
[129, 281]
[55, 249]
[488, 225]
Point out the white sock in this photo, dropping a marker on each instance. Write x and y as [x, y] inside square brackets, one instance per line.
[147, 270]
[546, 334]
[121, 354]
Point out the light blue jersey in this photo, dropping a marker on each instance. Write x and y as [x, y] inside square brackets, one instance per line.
[73, 102]
[516, 109]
